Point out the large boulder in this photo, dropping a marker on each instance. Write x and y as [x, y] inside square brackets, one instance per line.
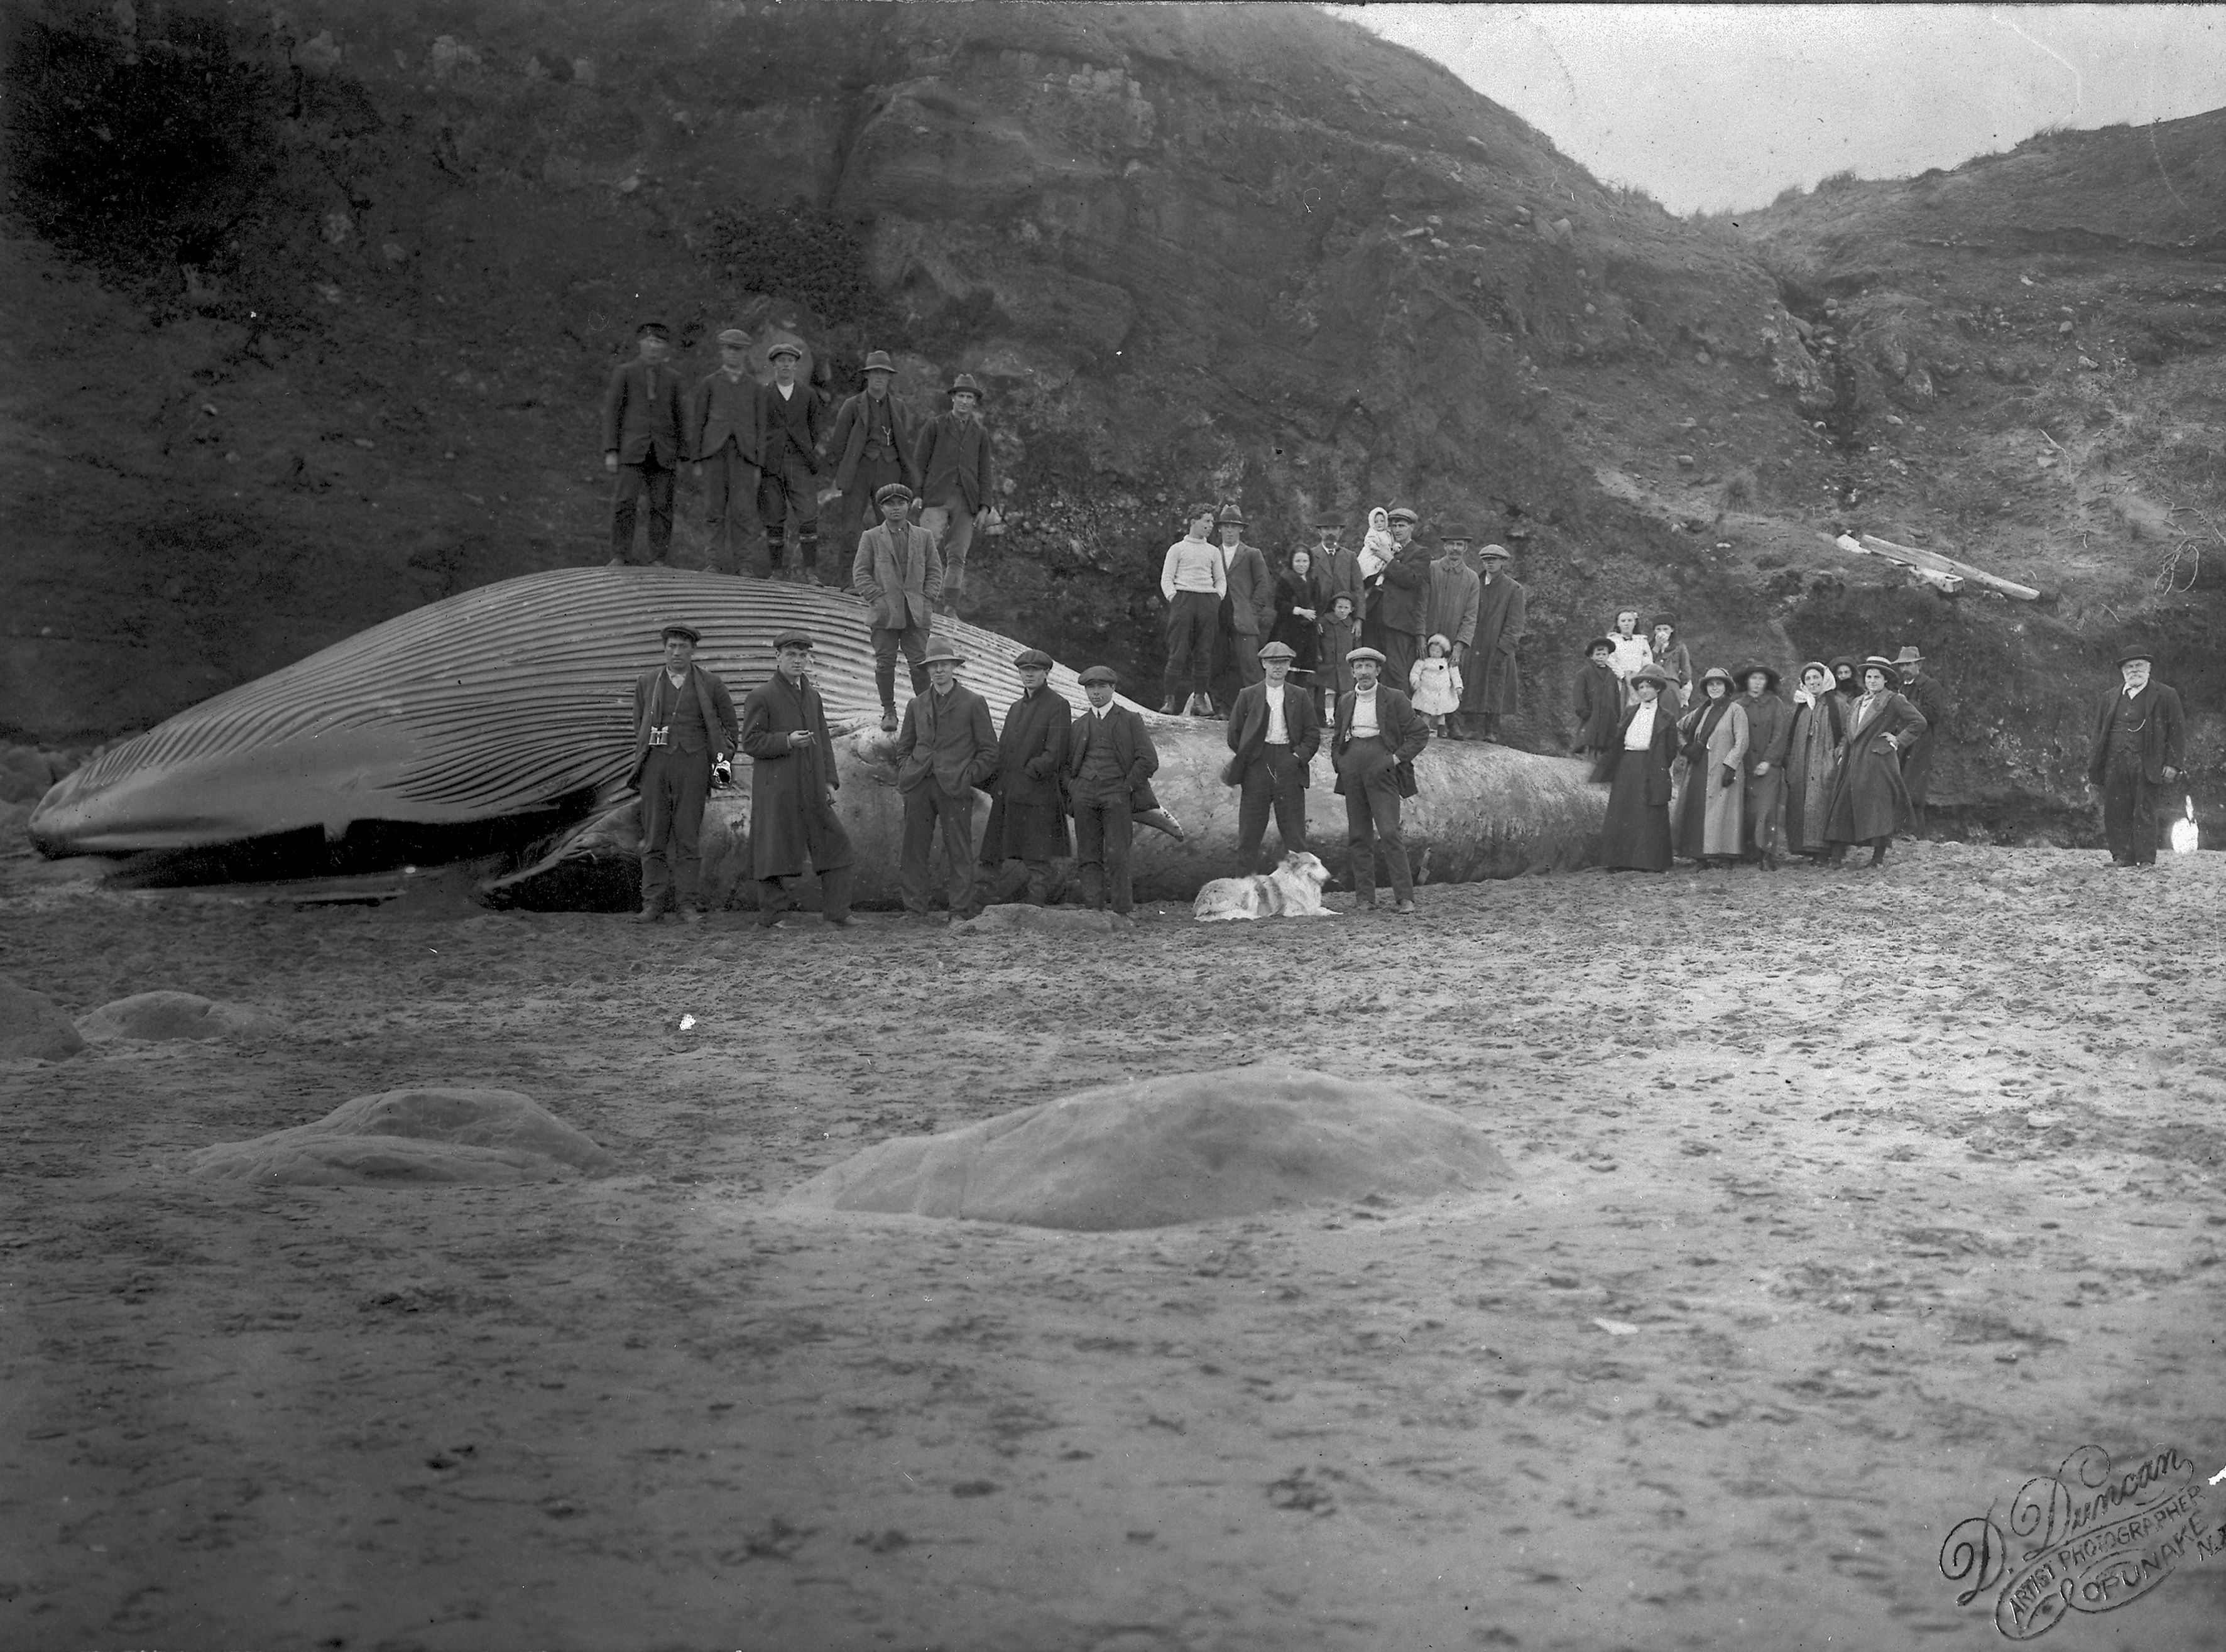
[485, 1137]
[33, 1025]
[1160, 1150]
[169, 1015]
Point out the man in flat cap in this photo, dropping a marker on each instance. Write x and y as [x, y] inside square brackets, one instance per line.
[792, 785]
[899, 573]
[1109, 756]
[723, 419]
[958, 481]
[1929, 696]
[684, 721]
[1399, 616]
[1488, 680]
[1377, 737]
[795, 423]
[1337, 566]
[2140, 747]
[872, 447]
[1274, 731]
[1247, 610]
[644, 434]
[1027, 815]
[946, 749]
[1455, 599]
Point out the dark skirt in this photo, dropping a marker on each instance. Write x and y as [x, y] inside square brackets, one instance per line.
[1636, 835]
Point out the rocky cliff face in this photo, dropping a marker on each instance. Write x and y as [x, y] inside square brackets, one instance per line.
[346, 357]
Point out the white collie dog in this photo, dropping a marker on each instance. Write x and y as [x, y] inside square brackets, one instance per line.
[1292, 890]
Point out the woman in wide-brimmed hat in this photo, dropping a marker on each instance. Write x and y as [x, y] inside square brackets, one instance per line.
[1868, 799]
[1812, 761]
[1712, 807]
[1635, 764]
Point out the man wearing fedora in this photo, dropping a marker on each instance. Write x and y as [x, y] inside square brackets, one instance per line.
[1247, 610]
[946, 749]
[1109, 756]
[1456, 599]
[2139, 745]
[795, 423]
[958, 481]
[724, 417]
[898, 574]
[684, 729]
[1769, 738]
[1399, 611]
[1274, 731]
[1377, 737]
[871, 446]
[1489, 683]
[1337, 566]
[1924, 691]
[1027, 815]
[792, 785]
[644, 434]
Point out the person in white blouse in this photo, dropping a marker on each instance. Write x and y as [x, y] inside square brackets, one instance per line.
[1192, 579]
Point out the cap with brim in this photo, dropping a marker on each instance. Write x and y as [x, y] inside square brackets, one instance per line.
[1100, 673]
[1662, 620]
[2130, 655]
[1599, 643]
[1230, 517]
[785, 348]
[793, 637]
[1032, 659]
[689, 632]
[1278, 651]
[1656, 674]
[1717, 674]
[733, 336]
[1449, 540]
[1331, 522]
[892, 492]
[1402, 514]
[964, 381]
[1740, 676]
[1494, 553]
[1364, 653]
[940, 649]
[1909, 655]
[877, 361]
[653, 330]
[1880, 662]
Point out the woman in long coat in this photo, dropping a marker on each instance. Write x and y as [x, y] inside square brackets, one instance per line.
[1713, 807]
[1634, 760]
[1820, 727]
[1299, 604]
[1868, 799]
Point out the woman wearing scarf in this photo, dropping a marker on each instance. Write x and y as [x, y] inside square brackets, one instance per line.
[1868, 799]
[1711, 810]
[1299, 605]
[1820, 728]
[1670, 655]
[1635, 761]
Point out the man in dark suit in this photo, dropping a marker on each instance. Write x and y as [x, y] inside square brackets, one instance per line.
[872, 447]
[684, 727]
[794, 425]
[1399, 615]
[1377, 738]
[958, 481]
[1489, 681]
[1247, 610]
[946, 749]
[899, 574]
[1336, 567]
[645, 434]
[723, 416]
[1274, 732]
[1925, 692]
[792, 785]
[2139, 744]
[1027, 817]
[1108, 755]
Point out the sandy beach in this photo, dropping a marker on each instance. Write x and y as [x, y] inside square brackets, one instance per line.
[1843, 1204]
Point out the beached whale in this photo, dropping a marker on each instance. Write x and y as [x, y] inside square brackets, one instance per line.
[507, 710]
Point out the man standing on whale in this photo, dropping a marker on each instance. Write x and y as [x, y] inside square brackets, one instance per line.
[685, 730]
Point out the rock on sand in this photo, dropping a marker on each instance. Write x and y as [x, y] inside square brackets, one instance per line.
[167, 1015]
[485, 1137]
[33, 1024]
[1160, 1150]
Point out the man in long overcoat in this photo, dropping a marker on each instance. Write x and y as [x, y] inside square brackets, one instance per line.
[2139, 744]
[958, 481]
[793, 785]
[871, 446]
[1929, 696]
[1109, 755]
[1027, 814]
[645, 437]
[723, 420]
[899, 573]
[946, 749]
[1247, 610]
[1456, 596]
[1489, 684]
[684, 721]
[1399, 614]
[1274, 732]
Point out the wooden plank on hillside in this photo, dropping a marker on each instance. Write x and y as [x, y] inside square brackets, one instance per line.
[1931, 562]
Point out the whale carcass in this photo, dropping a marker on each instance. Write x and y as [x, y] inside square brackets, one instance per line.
[509, 707]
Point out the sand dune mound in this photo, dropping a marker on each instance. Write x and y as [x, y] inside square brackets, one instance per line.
[169, 1016]
[1041, 920]
[1156, 1152]
[33, 1024]
[482, 1137]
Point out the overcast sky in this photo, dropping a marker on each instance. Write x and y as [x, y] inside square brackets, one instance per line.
[1708, 107]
